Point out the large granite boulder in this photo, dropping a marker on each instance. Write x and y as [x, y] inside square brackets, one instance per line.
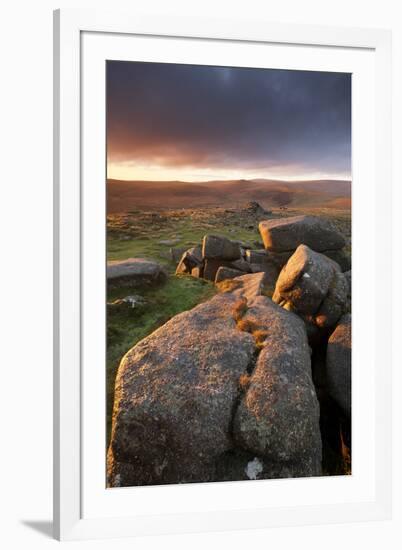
[174, 397]
[339, 364]
[278, 416]
[288, 233]
[304, 280]
[312, 285]
[218, 247]
[134, 271]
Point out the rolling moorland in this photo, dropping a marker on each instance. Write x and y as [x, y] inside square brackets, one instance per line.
[124, 196]
[155, 220]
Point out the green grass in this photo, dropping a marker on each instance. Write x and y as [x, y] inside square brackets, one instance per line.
[148, 246]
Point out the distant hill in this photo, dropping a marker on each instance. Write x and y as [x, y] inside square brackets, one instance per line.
[123, 196]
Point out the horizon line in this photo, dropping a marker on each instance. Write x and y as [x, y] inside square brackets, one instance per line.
[279, 180]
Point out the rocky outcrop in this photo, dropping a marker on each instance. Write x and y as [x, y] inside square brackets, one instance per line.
[313, 286]
[226, 391]
[134, 271]
[183, 411]
[339, 364]
[281, 237]
[286, 234]
[219, 254]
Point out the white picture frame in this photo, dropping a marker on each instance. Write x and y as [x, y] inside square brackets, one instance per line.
[81, 508]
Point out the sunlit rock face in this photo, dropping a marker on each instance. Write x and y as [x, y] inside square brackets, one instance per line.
[313, 286]
[283, 234]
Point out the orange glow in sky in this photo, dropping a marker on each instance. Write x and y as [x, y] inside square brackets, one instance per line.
[132, 171]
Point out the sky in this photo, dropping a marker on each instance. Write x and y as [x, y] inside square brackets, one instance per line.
[198, 123]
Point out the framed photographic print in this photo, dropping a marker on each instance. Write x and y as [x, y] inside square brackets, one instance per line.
[217, 183]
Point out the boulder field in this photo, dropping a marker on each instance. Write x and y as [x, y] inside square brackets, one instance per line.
[280, 237]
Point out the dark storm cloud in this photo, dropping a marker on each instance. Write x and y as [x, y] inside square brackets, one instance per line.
[186, 115]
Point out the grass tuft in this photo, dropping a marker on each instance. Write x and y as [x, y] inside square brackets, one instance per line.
[228, 285]
[239, 309]
[244, 382]
[260, 338]
[246, 325]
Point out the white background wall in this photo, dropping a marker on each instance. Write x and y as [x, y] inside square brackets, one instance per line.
[26, 271]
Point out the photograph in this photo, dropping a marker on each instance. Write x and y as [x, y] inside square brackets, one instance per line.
[228, 273]
[190, 185]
